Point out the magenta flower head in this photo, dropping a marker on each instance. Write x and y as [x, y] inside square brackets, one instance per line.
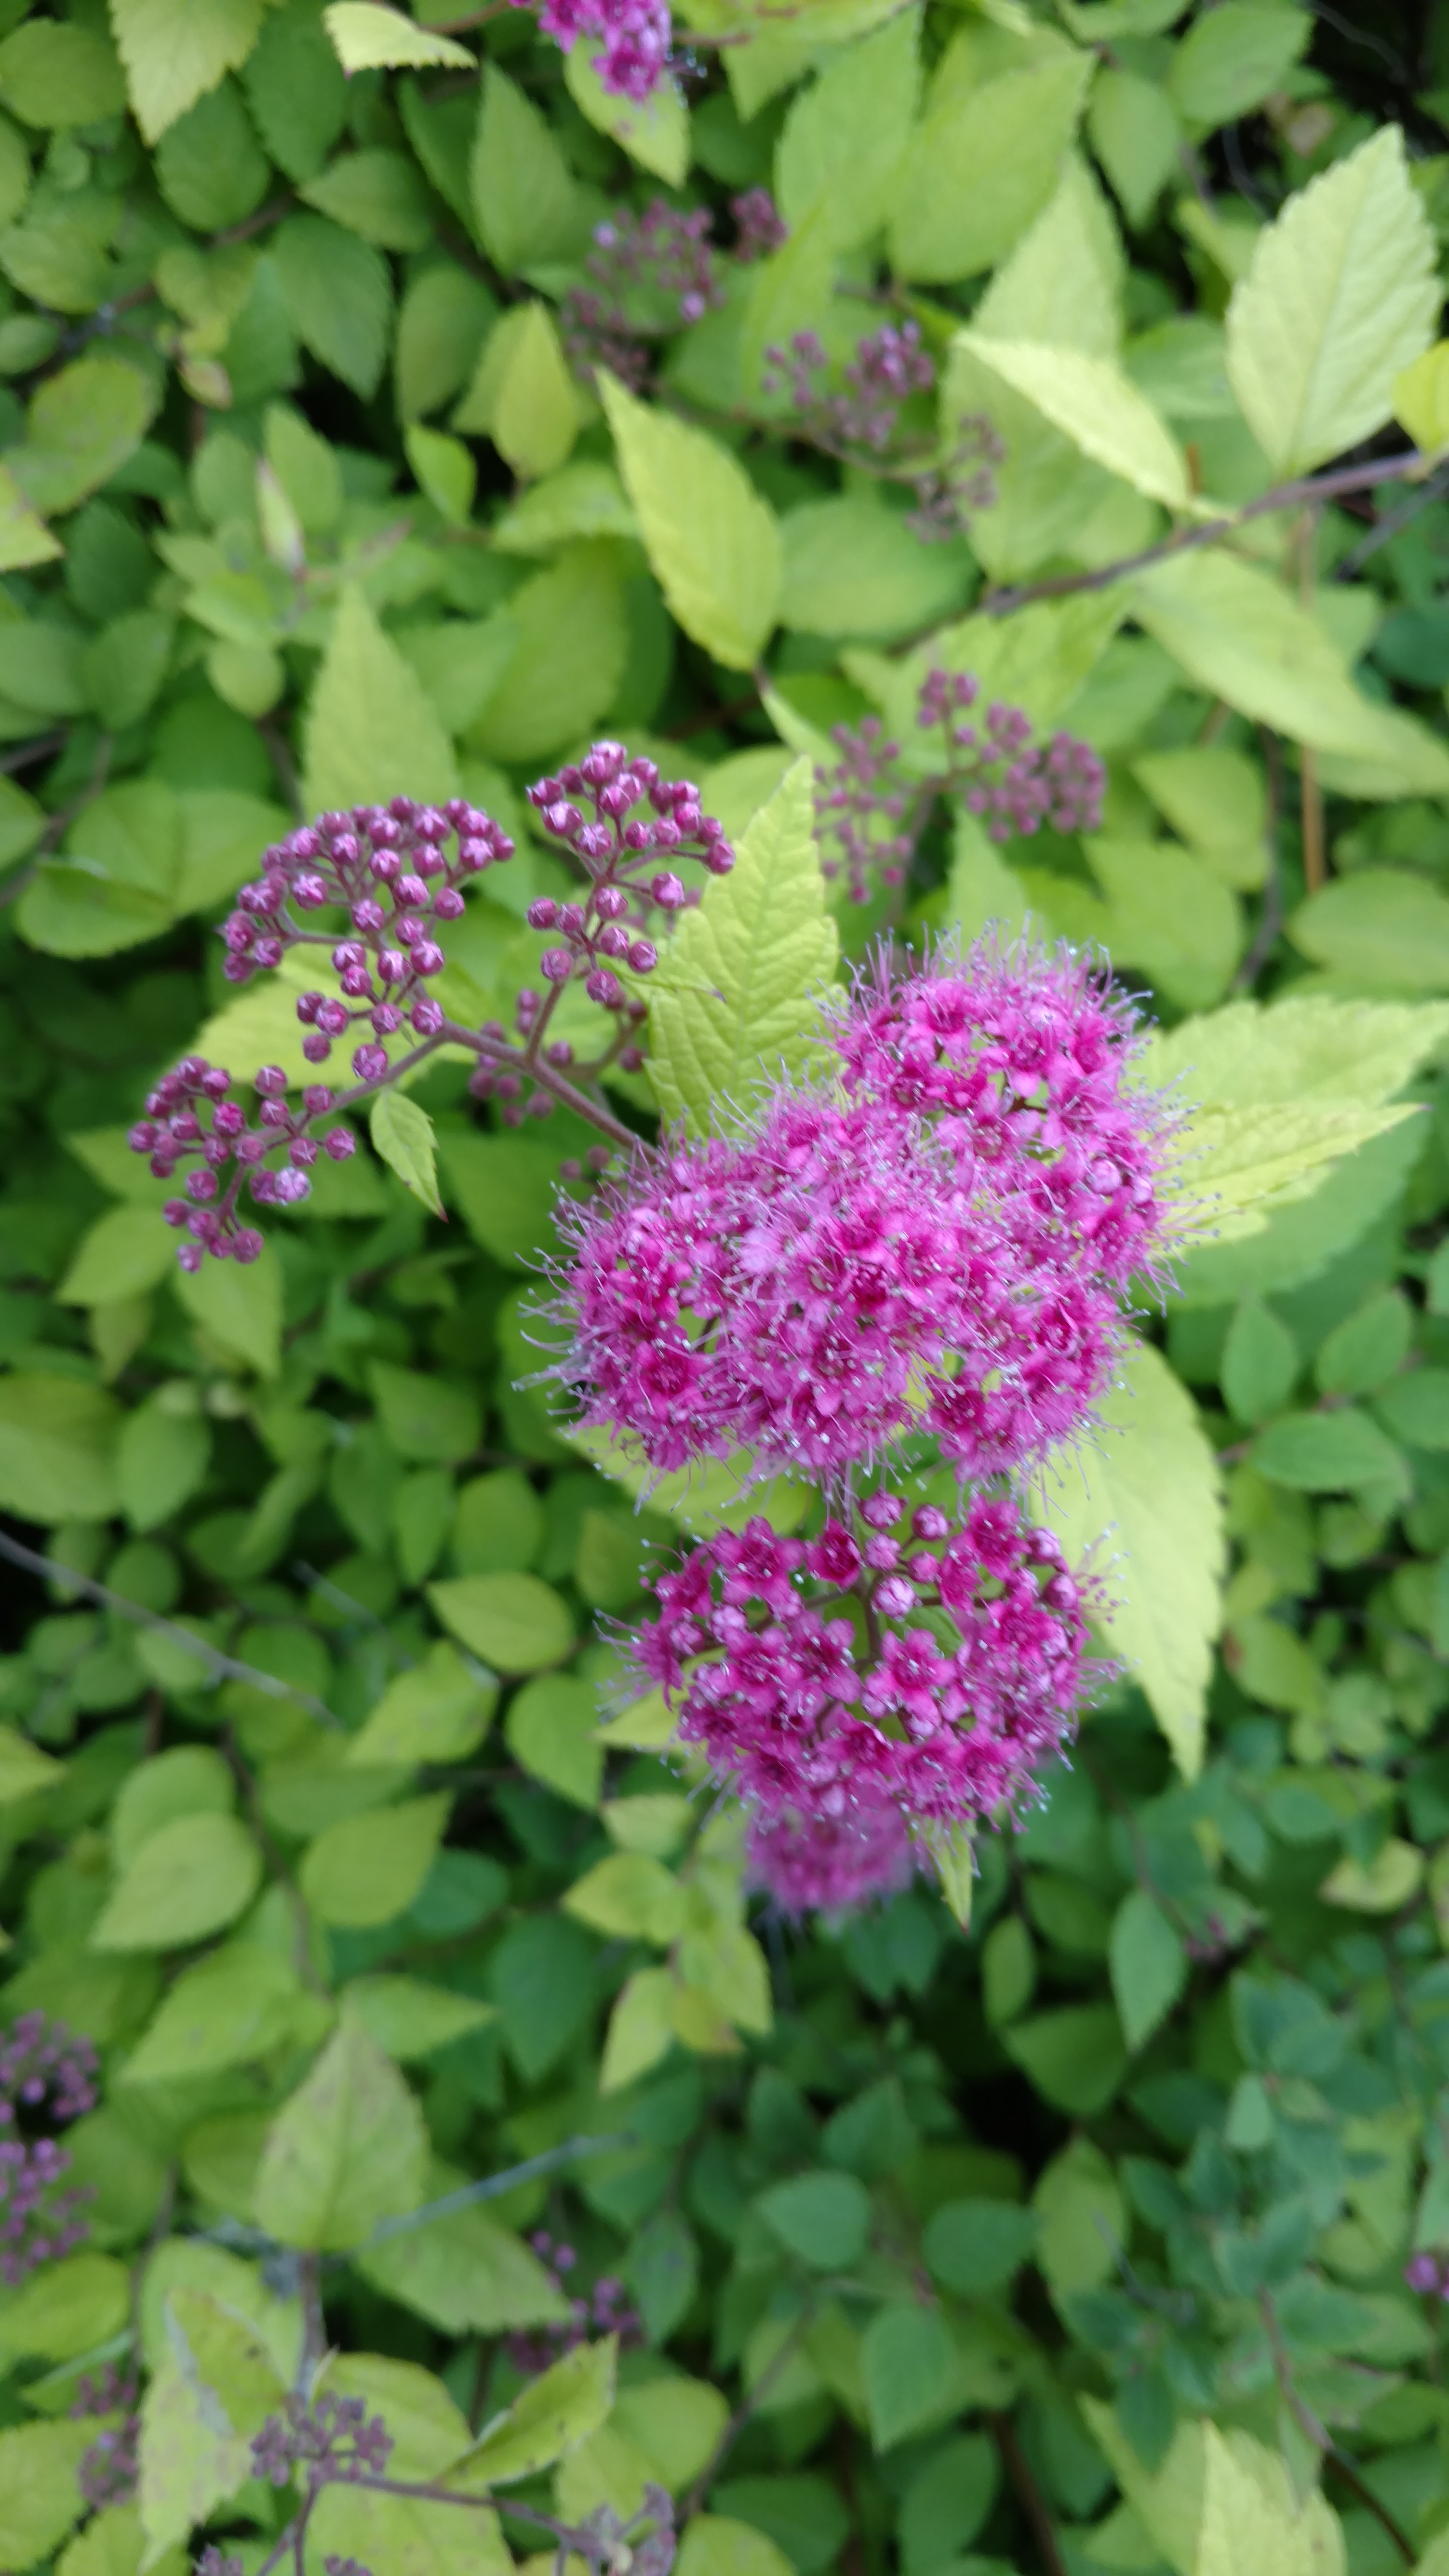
[814, 1864]
[937, 1681]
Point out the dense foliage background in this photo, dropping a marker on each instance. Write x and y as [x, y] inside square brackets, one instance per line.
[1107, 2230]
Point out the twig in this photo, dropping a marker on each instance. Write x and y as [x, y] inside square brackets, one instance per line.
[1208, 532]
[1028, 2494]
[61, 822]
[1347, 2471]
[1390, 524]
[225, 1668]
[493, 2186]
[257, 223]
[22, 754]
[1310, 791]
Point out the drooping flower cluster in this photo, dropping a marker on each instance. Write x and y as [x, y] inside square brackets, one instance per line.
[634, 39]
[388, 880]
[936, 1669]
[603, 2310]
[871, 808]
[649, 274]
[808, 1862]
[46, 2073]
[866, 421]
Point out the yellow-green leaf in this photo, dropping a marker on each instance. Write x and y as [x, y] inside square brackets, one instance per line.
[711, 539]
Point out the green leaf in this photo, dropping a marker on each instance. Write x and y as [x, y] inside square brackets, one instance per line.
[653, 131]
[844, 137]
[1149, 1966]
[1170, 915]
[1260, 1362]
[1368, 1347]
[378, 195]
[908, 2364]
[1083, 2219]
[504, 1187]
[162, 1456]
[1153, 1485]
[437, 1712]
[230, 2009]
[40, 2496]
[641, 2028]
[238, 1305]
[534, 410]
[368, 1869]
[1325, 1453]
[1093, 403]
[1256, 2515]
[982, 166]
[570, 644]
[1342, 295]
[126, 1251]
[1387, 929]
[662, 2270]
[1136, 137]
[715, 2545]
[190, 1878]
[516, 1623]
[348, 2150]
[713, 543]
[338, 296]
[113, 2544]
[464, 2273]
[367, 38]
[57, 1447]
[1217, 800]
[24, 538]
[427, 1418]
[176, 50]
[823, 2217]
[370, 731]
[23, 1768]
[854, 568]
[550, 2417]
[524, 201]
[444, 316]
[552, 1730]
[83, 424]
[976, 2246]
[210, 2394]
[53, 74]
[1074, 2057]
[1231, 60]
[443, 468]
[409, 2019]
[946, 2502]
[734, 999]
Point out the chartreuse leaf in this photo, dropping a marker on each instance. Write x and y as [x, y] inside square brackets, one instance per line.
[402, 1133]
[1231, 60]
[823, 2217]
[1255, 2520]
[191, 1877]
[982, 166]
[515, 1622]
[210, 2394]
[238, 1305]
[845, 135]
[40, 2496]
[67, 2308]
[550, 2417]
[654, 131]
[238, 2005]
[368, 38]
[23, 1768]
[641, 2028]
[371, 733]
[632, 1897]
[1136, 137]
[711, 539]
[57, 1447]
[437, 1711]
[1273, 1096]
[1238, 634]
[1147, 1500]
[533, 410]
[552, 1732]
[114, 2544]
[1341, 296]
[733, 1002]
[409, 2019]
[1082, 2217]
[346, 2151]
[176, 50]
[463, 2272]
[367, 1869]
[1387, 929]
[1090, 400]
[524, 199]
[1421, 399]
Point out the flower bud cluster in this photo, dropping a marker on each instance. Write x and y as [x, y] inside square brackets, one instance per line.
[332, 2437]
[603, 2310]
[650, 274]
[193, 1118]
[761, 227]
[1428, 2273]
[811, 1863]
[872, 810]
[46, 2072]
[865, 421]
[930, 1663]
[634, 37]
[388, 871]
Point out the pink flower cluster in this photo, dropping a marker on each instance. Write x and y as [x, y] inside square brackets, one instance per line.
[634, 37]
[873, 810]
[940, 1244]
[866, 421]
[823, 1677]
[943, 1251]
[813, 1863]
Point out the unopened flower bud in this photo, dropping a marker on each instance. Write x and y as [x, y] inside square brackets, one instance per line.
[339, 1143]
[271, 1082]
[643, 956]
[369, 1063]
[556, 964]
[604, 987]
[668, 891]
[427, 1016]
[542, 913]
